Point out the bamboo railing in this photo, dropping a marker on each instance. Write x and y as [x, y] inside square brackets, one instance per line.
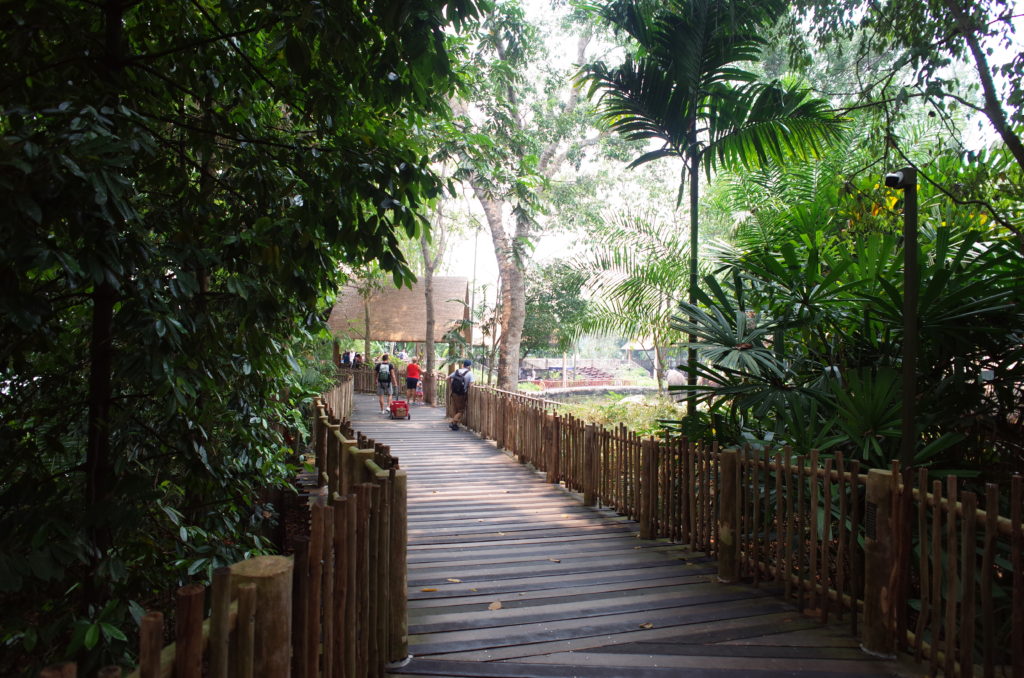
[909, 561]
[337, 609]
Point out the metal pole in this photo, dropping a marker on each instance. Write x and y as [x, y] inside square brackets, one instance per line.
[911, 284]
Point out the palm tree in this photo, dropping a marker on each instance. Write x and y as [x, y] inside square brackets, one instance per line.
[686, 87]
[633, 267]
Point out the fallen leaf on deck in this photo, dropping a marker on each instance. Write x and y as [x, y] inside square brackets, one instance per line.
[496, 605]
[647, 625]
[637, 547]
[473, 590]
[501, 534]
[554, 560]
[428, 590]
[455, 581]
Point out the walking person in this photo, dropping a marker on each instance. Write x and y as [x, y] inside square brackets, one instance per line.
[387, 382]
[412, 379]
[458, 393]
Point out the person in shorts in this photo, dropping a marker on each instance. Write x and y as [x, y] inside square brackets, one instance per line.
[458, 393]
[412, 379]
[387, 382]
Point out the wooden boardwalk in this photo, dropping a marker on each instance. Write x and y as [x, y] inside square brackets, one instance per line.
[512, 577]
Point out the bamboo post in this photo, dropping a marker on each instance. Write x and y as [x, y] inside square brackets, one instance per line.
[340, 574]
[151, 641]
[246, 631]
[647, 471]
[372, 584]
[398, 643]
[300, 602]
[333, 462]
[728, 516]
[316, 555]
[353, 544]
[589, 476]
[320, 431]
[272, 576]
[62, 670]
[363, 492]
[329, 593]
[878, 635]
[220, 622]
[188, 631]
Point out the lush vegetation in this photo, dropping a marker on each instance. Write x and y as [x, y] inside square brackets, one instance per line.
[182, 182]
[182, 205]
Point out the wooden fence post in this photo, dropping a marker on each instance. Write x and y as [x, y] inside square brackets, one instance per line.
[647, 489]
[300, 591]
[63, 670]
[245, 631]
[272, 576]
[878, 637]
[151, 642]
[589, 466]
[334, 451]
[220, 633]
[315, 590]
[398, 642]
[188, 631]
[728, 516]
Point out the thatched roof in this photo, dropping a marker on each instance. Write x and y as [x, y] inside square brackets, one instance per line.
[400, 314]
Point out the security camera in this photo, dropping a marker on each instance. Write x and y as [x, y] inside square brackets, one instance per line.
[901, 179]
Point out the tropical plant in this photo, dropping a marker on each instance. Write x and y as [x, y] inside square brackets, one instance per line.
[635, 269]
[183, 181]
[687, 88]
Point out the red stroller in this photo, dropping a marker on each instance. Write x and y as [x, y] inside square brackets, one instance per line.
[399, 410]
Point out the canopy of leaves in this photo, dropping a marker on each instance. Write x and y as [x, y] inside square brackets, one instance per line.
[554, 307]
[182, 181]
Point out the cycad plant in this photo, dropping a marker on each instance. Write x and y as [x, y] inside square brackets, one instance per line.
[688, 87]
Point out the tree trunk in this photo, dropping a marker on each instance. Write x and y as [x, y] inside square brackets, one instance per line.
[98, 467]
[429, 389]
[659, 368]
[691, 352]
[366, 329]
[993, 107]
[512, 332]
[512, 293]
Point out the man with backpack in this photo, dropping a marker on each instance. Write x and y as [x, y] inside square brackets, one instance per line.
[458, 393]
[387, 381]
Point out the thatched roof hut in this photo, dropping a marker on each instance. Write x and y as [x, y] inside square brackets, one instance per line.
[400, 314]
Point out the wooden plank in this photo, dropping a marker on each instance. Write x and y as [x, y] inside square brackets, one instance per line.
[574, 582]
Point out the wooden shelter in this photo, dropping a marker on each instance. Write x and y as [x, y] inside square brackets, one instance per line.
[399, 314]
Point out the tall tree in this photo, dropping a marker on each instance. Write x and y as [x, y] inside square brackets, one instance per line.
[521, 132]
[687, 88]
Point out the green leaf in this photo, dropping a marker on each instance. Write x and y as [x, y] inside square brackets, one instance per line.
[92, 636]
[112, 632]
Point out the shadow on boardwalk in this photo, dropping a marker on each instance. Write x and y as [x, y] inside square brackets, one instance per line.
[510, 576]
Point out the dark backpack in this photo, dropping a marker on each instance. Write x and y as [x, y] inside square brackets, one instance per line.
[459, 383]
[384, 373]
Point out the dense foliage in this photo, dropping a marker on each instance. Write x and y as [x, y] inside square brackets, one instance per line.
[801, 327]
[181, 182]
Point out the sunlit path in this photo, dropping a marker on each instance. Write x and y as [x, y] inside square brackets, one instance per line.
[579, 594]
